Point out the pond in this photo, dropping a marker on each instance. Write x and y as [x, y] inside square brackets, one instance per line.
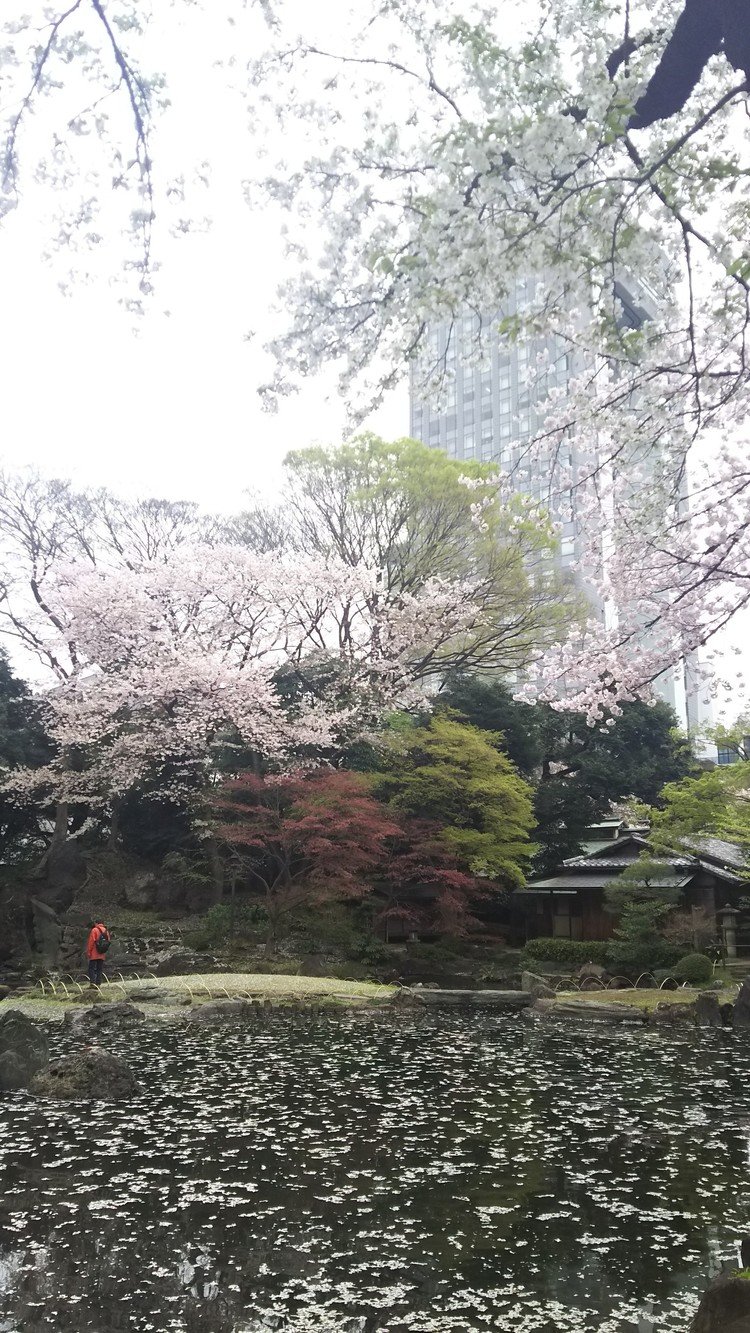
[437, 1173]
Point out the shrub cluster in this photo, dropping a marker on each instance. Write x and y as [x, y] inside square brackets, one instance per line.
[695, 968]
[629, 958]
[568, 953]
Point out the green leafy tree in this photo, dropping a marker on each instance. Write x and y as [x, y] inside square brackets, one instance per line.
[417, 516]
[487, 702]
[458, 777]
[648, 880]
[22, 742]
[578, 770]
[715, 803]
[642, 898]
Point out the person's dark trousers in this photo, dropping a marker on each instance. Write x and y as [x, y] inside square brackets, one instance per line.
[96, 971]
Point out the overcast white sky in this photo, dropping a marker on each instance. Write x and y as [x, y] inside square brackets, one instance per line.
[172, 410]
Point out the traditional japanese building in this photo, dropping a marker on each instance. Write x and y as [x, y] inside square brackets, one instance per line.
[711, 875]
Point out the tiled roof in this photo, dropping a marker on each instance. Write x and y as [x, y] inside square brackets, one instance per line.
[574, 881]
[621, 863]
[718, 850]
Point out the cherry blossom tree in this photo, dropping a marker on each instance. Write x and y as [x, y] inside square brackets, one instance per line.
[46, 522]
[165, 662]
[533, 179]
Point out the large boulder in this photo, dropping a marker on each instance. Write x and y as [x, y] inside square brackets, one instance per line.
[592, 983]
[537, 986]
[91, 1021]
[91, 1074]
[180, 963]
[674, 1014]
[72, 953]
[725, 1307]
[66, 872]
[741, 1014]
[23, 1050]
[592, 972]
[708, 1010]
[139, 890]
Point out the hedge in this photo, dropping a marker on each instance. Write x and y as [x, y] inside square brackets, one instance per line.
[568, 953]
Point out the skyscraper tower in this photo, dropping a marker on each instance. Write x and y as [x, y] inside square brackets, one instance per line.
[490, 407]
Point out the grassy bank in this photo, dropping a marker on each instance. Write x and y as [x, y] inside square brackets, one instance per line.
[198, 988]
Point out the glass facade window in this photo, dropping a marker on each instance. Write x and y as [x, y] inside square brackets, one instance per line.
[726, 755]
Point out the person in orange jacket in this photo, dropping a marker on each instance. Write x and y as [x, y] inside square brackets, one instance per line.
[96, 951]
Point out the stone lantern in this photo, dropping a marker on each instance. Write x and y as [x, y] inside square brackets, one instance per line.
[728, 922]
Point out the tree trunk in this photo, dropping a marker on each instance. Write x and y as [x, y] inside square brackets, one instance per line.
[59, 836]
[114, 826]
[232, 898]
[217, 870]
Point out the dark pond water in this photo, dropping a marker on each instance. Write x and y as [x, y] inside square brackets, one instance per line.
[440, 1174]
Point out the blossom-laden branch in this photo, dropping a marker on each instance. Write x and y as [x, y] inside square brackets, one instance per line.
[568, 198]
[178, 657]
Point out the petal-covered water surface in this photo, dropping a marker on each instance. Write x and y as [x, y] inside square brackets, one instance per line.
[434, 1173]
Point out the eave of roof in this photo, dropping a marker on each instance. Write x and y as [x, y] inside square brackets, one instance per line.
[597, 882]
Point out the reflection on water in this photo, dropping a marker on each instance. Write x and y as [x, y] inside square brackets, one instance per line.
[436, 1174]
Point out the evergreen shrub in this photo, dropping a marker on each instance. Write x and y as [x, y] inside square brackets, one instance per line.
[566, 953]
[695, 968]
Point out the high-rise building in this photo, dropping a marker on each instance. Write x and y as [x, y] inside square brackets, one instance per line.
[490, 406]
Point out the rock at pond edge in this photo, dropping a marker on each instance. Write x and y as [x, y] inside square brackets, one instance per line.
[90, 1074]
[24, 1051]
[741, 1014]
[724, 1307]
[99, 1018]
[537, 986]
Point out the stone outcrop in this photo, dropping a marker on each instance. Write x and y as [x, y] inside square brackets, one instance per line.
[23, 1050]
[66, 871]
[536, 985]
[593, 972]
[741, 1014]
[725, 1307]
[704, 1012]
[590, 1012]
[139, 890]
[91, 1021]
[708, 1010]
[90, 1074]
[673, 1015]
[181, 962]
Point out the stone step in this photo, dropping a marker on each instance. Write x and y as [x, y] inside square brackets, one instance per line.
[495, 999]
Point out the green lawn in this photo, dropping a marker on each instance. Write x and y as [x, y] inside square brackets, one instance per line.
[223, 985]
[200, 987]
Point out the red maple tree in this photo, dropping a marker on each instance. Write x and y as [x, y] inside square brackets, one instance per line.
[424, 888]
[310, 839]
